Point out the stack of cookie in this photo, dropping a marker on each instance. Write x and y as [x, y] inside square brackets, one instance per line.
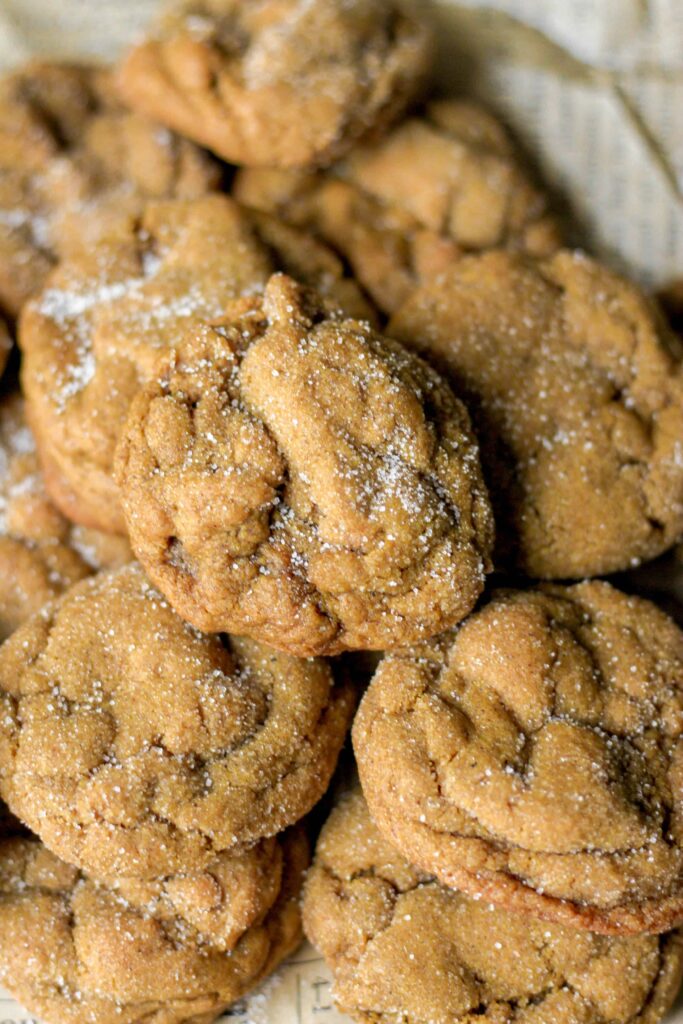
[263, 426]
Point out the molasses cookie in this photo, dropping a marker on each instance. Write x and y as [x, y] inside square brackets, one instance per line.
[136, 747]
[297, 477]
[37, 560]
[404, 948]
[402, 209]
[534, 757]
[94, 334]
[73, 163]
[281, 83]
[75, 952]
[576, 392]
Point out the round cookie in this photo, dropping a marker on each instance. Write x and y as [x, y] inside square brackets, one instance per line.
[406, 950]
[576, 393]
[94, 334]
[73, 163]
[299, 478]
[136, 747]
[37, 560]
[534, 757]
[402, 209]
[74, 952]
[282, 83]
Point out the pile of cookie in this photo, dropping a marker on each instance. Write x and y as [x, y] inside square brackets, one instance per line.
[303, 359]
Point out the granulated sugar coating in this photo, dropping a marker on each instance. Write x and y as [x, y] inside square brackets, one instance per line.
[37, 560]
[78, 953]
[403, 208]
[74, 163]
[94, 334]
[576, 392]
[534, 757]
[406, 950]
[298, 478]
[280, 83]
[136, 747]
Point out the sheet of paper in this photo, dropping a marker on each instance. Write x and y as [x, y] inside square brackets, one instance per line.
[592, 88]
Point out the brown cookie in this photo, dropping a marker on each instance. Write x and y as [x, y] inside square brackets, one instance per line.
[75, 952]
[534, 757]
[576, 392]
[73, 163]
[136, 747]
[299, 478]
[281, 83]
[94, 334]
[406, 950]
[37, 559]
[402, 209]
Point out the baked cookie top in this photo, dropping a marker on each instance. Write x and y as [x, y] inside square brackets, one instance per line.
[406, 950]
[77, 952]
[37, 559]
[94, 334]
[136, 747]
[576, 391]
[297, 477]
[403, 208]
[280, 83]
[534, 757]
[73, 163]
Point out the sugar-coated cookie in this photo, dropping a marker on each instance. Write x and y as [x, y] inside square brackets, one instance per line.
[534, 757]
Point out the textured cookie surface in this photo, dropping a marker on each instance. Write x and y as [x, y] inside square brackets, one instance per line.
[406, 950]
[75, 952]
[299, 478]
[576, 392]
[37, 559]
[94, 334]
[534, 756]
[282, 83]
[402, 209]
[136, 747]
[74, 163]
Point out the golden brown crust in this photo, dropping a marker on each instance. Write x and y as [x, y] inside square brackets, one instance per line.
[282, 83]
[136, 747]
[299, 478]
[75, 952]
[402, 209]
[406, 950]
[577, 395]
[95, 333]
[534, 757]
[73, 163]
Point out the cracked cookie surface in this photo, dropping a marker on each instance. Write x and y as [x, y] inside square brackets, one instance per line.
[575, 387]
[73, 164]
[534, 757]
[406, 950]
[136, 747]
[77, 952]
[95, 332]
[281, 83]
[402, 209]
[298, 477]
